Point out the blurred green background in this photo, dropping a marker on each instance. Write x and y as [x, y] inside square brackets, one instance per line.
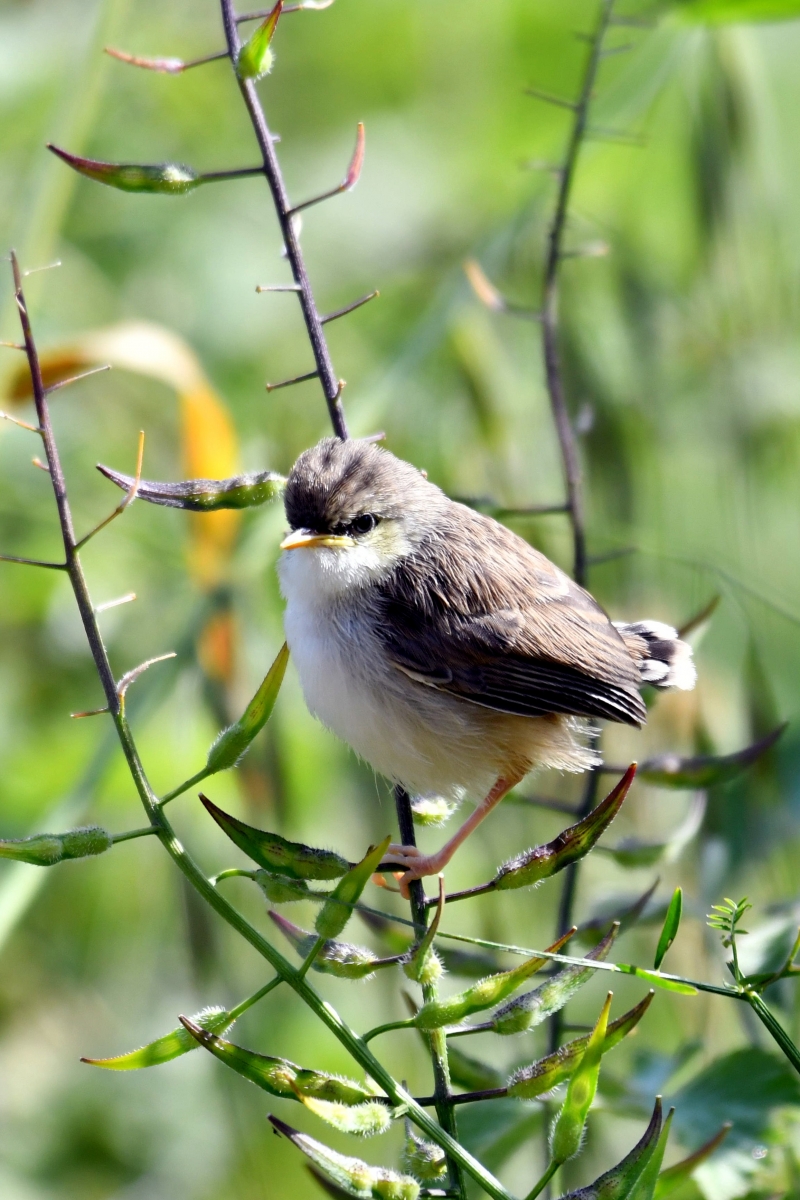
[682, 362]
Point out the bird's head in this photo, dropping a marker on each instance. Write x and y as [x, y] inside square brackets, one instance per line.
[354, 510]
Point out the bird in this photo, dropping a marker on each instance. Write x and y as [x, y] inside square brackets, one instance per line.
[446, 651]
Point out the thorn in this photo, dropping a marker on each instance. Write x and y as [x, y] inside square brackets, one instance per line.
[350, 180]
[304, 5]
[549, 99]
[92, 712]
[590, 250]
[612, 50]
[127, 499]
[342, 312]
[33, 562]
[131, 676]
[375, 437]
[54, 387]
[278, 287]
[595, 560]
[13, 345]
[22, 424]
[37, 462]
[597, 133]
[488, 294]
[49, 267]
[100, 608]
[168, 66]
[272, 387]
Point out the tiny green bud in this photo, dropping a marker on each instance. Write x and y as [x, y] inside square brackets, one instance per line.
[360, 1120]
[46, 849]
[168, 179]
[573, 844]
[571, 1120]
[279, 889]
[423, 963]
[234, 741]
[432, 810]
[338, 908]
[275, 853]
[255, 57]
[424, 1160]
[171, 1045]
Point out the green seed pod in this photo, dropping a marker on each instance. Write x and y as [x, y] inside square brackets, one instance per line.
[235, 740]
[542, 1076]
[571, 845]
[645, 1186]
[275, 853]
[432, 811]
[279, 889]
[47, 849]
[338, 909]
[354, 1177]
[423, 963]
[317, 1085]
[534, 1007]
[424, 1160]
[204, 495]
[620, 1182]
[437, 1013]
[273, 1075]
[255, 57]
[569, 1124]
[360, 1120]
[166, 179]
[171, 1045]
[334, 958]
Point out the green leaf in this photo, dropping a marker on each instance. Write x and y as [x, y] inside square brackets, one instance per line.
[171, 1045]
[493, 1130]
[255, 57]
[542, 1076]
[573, 844]
[676, 1175]
[671, 923]
[354, 1177]
[620, 1182]
[204, 495]
[631, 852]
[742, 1087]
[275, 853]
[569, 1124]
[627, 912]
[342, 959]
[47, 849]
[660, 981]
[717, 12]
[235, 740]
[166, 179]
[338, 908]
[707, 770]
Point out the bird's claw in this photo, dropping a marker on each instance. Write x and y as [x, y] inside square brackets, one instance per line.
[416, 865]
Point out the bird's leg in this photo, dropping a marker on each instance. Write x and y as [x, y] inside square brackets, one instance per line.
[417, 864]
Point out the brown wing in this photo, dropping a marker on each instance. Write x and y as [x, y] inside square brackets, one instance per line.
[479, 613]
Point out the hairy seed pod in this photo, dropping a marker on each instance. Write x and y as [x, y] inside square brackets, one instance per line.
[47, 849]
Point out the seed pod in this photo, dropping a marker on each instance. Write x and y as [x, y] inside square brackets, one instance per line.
[424, 1160]
[354, 1177]
[645, 1186]
[567, 1132]
[360, 1120]
[204, 495]
[545, 1074]
[534, 1007]
[571, 845]
[171, 1045]
[338, 909]
[423, 963]
[279, 889]
[275, 853]
[255, 57]
[431, 810]
[167, 179]
[437, 1013]
[235, 740]
[620, 1182]
[47, 849]
[335, 958]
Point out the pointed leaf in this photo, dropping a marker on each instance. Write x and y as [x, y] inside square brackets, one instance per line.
[335, 958]
[645, 1186]
[235, 740]
[540, 1077]
[707, 770]
[275, 853]
[204, 495]
[171, 1045]
[167, 179]
[256, 57]
[569, 1125]
[338, 909]
[568, 847]
[634, 853]
[670, 929]
[665, 982]
[621, 1180]
[623, 911]
[354, 1177]
[676, 1175]
[47, 849]
[534, 1007]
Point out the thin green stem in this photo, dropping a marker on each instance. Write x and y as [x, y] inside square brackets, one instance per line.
[232, 873]
[235, 1013]
[387, 1028]
[307, 962]
[184, 787]
[770, 1022]
[146, 831]
[543, 1182]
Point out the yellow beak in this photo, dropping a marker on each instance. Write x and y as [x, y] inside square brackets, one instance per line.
[301, 539]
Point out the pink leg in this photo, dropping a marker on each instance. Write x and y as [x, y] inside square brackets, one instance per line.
[417, 865]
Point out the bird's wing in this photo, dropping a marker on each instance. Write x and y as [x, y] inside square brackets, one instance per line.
[479, 613]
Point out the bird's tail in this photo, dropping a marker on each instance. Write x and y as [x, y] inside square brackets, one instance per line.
[664, 660]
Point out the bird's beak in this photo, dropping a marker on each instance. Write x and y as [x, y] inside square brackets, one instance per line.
[301, 539]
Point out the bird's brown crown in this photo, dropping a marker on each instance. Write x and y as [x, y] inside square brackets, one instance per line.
[335, 483]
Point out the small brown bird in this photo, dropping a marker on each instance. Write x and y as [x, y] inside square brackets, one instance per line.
[446, 651]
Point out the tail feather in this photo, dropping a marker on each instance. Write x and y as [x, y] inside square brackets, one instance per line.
[664, 660]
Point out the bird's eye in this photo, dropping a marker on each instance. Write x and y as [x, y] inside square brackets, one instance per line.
[364, 524]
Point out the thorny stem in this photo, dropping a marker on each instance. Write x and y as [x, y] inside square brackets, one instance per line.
[289, 229]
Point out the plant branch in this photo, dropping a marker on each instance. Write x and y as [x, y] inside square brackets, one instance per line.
[289, 228]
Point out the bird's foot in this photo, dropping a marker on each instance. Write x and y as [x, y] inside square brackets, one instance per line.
[415, 864]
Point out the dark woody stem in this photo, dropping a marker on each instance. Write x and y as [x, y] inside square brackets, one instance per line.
[294, 255]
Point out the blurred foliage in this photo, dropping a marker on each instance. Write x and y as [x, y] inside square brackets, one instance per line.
[682, 361]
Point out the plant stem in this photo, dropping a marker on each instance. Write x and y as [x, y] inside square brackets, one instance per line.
[184, 787]
[543, 1182]
[235, 1013]
[770, 1022]
[134, 833]
[289, 230]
